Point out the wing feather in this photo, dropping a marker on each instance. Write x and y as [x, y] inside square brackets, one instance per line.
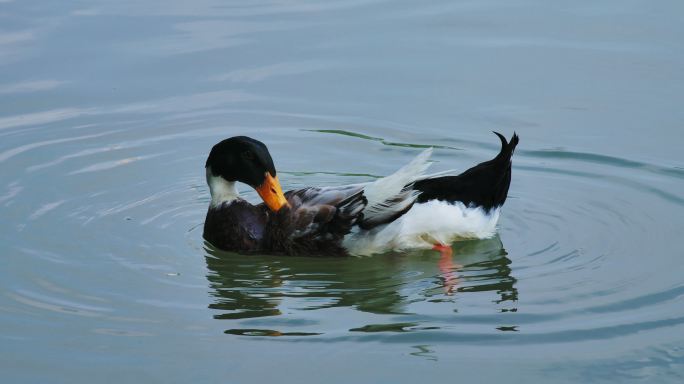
[392, 196]
[316, 221]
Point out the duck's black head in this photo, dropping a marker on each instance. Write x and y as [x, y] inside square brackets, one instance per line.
[246, 160]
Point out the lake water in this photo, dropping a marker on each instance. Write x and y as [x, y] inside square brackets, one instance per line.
[109, 108]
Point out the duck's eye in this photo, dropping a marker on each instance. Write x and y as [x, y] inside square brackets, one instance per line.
[248, 155]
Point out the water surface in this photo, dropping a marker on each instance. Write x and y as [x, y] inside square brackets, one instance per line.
[108, 110]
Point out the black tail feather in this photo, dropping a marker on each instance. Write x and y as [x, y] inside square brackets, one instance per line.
[484, 185]
[507, 147]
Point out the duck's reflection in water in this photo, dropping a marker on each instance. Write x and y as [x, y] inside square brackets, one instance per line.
[246, 287]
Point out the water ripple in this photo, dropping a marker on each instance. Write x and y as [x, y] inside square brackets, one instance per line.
[541, 281]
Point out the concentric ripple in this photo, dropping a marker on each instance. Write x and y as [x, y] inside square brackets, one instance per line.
[581, 255]
[118, 210]
[578, 266]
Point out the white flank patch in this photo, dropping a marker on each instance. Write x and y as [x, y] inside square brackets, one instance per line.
[221, 190]
[423, 226]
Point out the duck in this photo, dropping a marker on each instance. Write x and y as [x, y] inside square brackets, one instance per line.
[408, 209]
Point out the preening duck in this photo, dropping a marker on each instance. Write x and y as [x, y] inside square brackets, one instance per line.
[407, 209]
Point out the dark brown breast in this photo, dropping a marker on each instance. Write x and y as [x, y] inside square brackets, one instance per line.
[301, 228]
[236, 226]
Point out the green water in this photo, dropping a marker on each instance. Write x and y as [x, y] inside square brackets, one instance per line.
[107, 113]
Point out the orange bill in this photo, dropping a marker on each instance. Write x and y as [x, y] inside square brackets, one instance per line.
[271, 193]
